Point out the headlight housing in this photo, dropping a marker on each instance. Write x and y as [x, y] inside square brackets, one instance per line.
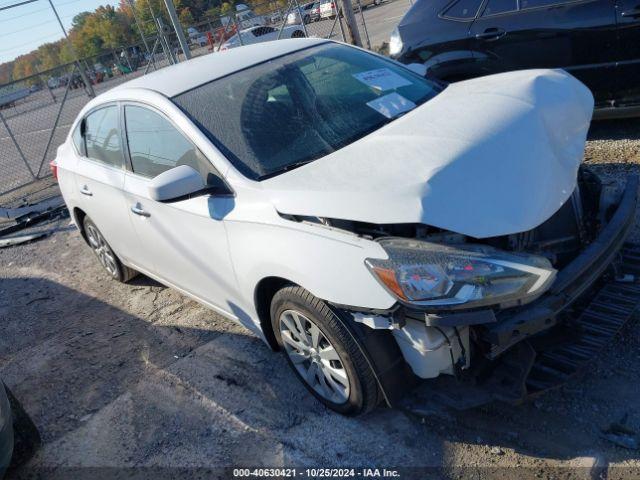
[467, 276]
[395, 42]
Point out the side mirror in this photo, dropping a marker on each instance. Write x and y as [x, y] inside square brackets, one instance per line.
[175, 183]
[418, 68]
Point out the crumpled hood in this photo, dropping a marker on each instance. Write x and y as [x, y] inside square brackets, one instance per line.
[490, 156]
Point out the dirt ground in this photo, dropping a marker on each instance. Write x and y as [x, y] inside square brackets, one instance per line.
[137, 375]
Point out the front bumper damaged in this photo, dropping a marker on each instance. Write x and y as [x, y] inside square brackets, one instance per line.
[539, 346]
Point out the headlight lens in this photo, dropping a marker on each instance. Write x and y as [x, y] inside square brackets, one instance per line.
[395, 43]
[468, 276]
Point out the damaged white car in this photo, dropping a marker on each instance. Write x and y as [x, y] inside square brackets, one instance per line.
[378, 227]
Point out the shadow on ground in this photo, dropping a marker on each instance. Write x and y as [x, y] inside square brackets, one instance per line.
[107, 388]
[618, 129]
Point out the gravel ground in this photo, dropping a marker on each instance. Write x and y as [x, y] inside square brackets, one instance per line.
[138, 375]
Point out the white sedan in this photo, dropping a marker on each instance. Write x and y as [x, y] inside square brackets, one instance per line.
[262, 34]
[377, 227]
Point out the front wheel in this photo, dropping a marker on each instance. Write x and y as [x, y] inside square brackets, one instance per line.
[322, 352]
[298, 34]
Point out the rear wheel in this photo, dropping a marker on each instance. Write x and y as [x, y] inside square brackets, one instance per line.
[298, 34]
[108, 259]
[322, 352]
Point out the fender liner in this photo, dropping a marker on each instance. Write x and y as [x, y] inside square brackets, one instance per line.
[393, 375]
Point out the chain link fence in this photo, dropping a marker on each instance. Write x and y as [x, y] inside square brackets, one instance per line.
[36, 112]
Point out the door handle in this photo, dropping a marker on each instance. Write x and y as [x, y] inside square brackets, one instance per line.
[633, 13]
[137, 209]
[85, 191]
[491, 34]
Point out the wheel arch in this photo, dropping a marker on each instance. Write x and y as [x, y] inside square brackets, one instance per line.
[78, 218]
[263, 294]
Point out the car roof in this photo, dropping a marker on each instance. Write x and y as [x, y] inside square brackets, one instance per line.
[176, 79]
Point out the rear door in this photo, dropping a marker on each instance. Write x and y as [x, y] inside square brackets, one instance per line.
[100, 177]
[578, 36]
[628, 84]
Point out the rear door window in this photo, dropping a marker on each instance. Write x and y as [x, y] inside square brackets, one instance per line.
[495, 7]
[525, 4]
[258, 32]
[102, 136]
[463, 9]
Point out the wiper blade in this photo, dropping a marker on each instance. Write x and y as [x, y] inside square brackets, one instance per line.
[286, 168]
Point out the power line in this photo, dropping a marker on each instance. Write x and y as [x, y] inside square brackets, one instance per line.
[4, 34]
[67, 3]
[28, 43]
[24, 2]
[23, 15]
[40, 10]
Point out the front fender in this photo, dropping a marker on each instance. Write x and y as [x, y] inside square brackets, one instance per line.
[327, 263]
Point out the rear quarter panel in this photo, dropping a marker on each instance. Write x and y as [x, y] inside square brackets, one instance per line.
[66, 160]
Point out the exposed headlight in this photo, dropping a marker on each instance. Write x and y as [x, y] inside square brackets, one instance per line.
[395, 42]
[469, 276]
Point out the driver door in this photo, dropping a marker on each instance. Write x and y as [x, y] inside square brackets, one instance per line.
[183, 242]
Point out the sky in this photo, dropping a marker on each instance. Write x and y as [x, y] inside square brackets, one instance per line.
[25, 27]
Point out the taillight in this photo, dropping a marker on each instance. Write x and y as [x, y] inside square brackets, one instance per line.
[54, 169]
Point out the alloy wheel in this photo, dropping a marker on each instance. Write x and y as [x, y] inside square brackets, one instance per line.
[314, 357]
[102, 250]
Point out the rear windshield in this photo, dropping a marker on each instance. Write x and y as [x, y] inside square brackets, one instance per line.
[291, 110]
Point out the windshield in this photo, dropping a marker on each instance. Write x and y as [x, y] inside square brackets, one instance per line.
[294, 109]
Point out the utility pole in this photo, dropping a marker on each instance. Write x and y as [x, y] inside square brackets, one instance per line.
[83, 74]
[135, 18]
[353, 34]
[176, 25]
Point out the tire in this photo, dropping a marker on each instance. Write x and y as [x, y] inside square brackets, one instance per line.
[26, 438]
[108, 259]
[333, 369]
[297, 34]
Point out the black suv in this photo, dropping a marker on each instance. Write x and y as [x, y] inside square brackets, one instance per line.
[597, 41]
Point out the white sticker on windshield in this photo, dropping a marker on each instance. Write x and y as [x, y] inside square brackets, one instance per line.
[382, 79]
[391, 105]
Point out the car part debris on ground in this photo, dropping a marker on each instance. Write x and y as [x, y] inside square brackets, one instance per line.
[26, 217]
